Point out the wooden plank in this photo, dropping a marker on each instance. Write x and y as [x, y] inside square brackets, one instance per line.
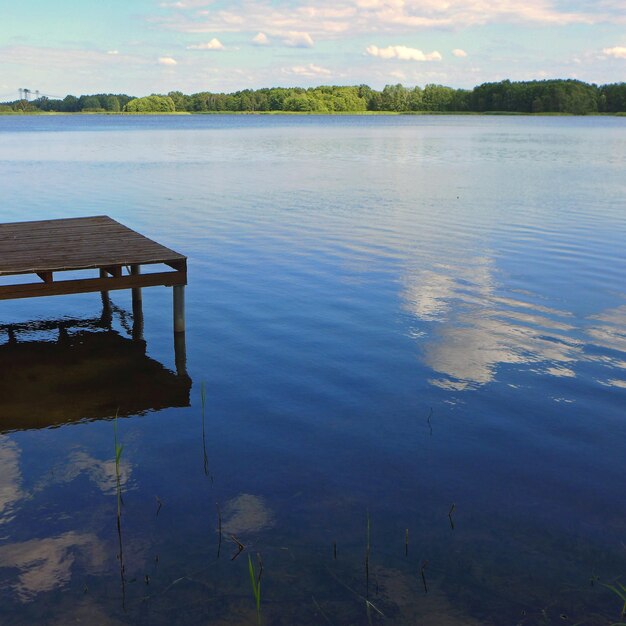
[86, 285]
[85, 266]
[178, 265]
[64, 223]
[77, 243]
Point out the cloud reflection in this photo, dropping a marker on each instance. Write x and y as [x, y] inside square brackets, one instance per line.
[46, 564]
[101, 473]
[10, 479]
[245, 514]
[609, 330]
[475, 330]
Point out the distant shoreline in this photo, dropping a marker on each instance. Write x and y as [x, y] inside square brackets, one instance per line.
[308, 113]
[557, 96]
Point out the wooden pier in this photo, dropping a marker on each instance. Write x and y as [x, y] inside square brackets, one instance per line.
[97, 245]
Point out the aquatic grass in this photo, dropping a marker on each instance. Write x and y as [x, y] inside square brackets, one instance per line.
[368, 612]
[422, 572]
[203, 404]
[452, 508]
[319, 608]
[255, 581]
[367, 556]
[118, 456]
[240, 547]
[368, 603]
[620, 591]
[219, 529]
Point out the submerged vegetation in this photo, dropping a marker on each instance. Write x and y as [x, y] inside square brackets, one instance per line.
[118, 481]
[620, 591]
[118, 484]
[255, 581]
[545, 96]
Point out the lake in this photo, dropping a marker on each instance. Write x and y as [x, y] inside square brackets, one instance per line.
[404, 397]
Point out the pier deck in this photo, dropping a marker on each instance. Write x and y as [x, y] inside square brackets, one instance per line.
[47, 248]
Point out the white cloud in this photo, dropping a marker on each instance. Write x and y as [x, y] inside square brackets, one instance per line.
[31, 56]
[461, 54]
[187, 4]
[112, 52]
[298, 39]
[167, 61]
[310, 71]
[328, 19]
[403, 53]
[617, 52]
[214, 44]
[261, 40]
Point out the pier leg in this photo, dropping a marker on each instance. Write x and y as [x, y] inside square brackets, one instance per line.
[135, 270]
[180, 346]
[179, 308]
[107, 313]
[64, 337]
[180, 353]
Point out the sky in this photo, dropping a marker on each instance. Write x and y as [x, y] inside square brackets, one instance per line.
[152, 46]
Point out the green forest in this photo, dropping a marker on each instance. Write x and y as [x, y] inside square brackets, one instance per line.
[545, 96]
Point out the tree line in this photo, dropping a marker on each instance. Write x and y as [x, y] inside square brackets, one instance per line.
[545, 96]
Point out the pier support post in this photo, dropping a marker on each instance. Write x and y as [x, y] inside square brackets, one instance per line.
[135, 270]
[107, 312]
[180, 354]
[179, 308]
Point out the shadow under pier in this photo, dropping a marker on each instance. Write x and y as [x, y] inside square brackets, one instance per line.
[82, 370]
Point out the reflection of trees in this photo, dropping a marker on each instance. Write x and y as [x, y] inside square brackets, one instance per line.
[476, 330]
[46, 564]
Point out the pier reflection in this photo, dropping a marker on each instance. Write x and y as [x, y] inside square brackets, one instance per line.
[63, 371]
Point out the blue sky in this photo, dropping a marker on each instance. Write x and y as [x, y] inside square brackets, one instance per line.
[145, 46]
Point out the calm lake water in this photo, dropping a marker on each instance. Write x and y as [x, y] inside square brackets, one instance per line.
[399, 324]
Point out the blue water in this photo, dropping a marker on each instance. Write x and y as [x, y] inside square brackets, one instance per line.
[416, 321]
